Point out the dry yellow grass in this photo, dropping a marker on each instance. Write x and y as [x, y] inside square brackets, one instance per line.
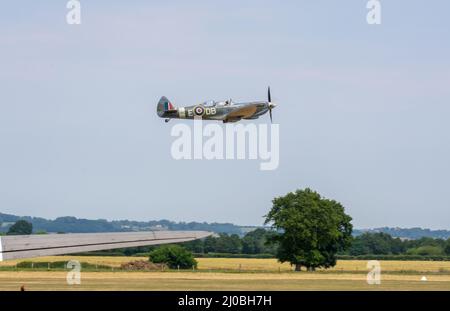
[256, 274]
[266, 265]
[38, 280]
[246, 264]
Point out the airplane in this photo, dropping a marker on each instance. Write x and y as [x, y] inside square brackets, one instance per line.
[225, 111]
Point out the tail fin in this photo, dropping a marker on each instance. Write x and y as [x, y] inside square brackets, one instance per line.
[164, 105]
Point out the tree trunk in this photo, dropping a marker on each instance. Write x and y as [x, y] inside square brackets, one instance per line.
[298, 267]
[311, 269]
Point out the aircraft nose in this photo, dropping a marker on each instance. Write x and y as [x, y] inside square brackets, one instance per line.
[272, 105]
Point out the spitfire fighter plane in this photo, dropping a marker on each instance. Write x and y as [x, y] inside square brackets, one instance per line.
[225, 111]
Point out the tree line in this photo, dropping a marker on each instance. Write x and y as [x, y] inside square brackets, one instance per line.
[260, 242]
[307, 230]
[384, 244]
[257, 242]
[79, 225]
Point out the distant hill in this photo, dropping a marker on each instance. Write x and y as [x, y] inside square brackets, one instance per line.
[411, 233]
[78, 225]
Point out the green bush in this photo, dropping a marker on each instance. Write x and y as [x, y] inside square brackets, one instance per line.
[174, 256]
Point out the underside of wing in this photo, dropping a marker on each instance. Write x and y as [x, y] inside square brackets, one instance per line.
[246, 111]
[28, 246]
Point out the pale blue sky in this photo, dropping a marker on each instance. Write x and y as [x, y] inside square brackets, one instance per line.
[363, 110]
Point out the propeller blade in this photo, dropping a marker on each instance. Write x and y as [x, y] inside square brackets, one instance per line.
[270, 113]
[268, 95]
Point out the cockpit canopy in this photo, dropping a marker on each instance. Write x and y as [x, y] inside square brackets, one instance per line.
[209, 103]
[212, 103]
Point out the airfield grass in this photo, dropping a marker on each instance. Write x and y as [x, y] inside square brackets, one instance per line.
[260, 265]
[351, 266]
[51, 280]
[231, 274]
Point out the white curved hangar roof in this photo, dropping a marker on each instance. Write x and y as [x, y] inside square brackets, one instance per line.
[28, 246]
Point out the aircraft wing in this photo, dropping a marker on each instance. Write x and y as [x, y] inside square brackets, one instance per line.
[27, 246]
[243, 112]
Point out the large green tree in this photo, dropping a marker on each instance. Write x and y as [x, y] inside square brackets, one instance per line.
[21, 227]
[311, 229]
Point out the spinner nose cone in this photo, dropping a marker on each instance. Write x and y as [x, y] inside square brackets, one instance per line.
[272, 105]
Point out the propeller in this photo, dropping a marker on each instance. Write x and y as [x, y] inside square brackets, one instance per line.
[270, 104]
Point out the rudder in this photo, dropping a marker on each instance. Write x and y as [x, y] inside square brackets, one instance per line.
[164, 105]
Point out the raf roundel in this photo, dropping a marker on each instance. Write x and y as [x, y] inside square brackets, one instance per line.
[199, 110]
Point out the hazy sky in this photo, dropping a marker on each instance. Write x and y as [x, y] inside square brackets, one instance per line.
[363, 110]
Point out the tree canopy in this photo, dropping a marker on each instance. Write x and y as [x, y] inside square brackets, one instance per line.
[256, 242]
[21, 227]
[224, 244]
[175, 256]
[312, 229]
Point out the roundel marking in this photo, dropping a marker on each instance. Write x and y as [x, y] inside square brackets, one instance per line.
[199, 110]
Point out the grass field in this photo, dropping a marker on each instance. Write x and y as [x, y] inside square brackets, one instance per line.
[262, 265]
[353, 266]
[43, 280]
[221, 273]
